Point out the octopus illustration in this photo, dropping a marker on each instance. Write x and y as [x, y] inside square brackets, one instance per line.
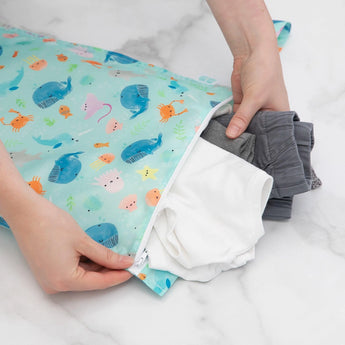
[167, 110]
[18, 122]
[110, 181]
[36, 185]
[102, 160]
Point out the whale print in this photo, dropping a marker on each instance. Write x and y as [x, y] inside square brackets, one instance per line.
[92, 105]
[66, 168]
[12, 84]
[120, 58]
[1, 50]
[104, 233]
[4, 223]
[55, 142]
[141, 148]
[51, 92]
[135, 98]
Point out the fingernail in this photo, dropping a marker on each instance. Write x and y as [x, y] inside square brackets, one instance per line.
[233, 131]
[126, 260]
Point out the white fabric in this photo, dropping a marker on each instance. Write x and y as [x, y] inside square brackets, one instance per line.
[210, 220]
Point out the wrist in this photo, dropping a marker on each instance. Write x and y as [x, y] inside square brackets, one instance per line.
[246, 25]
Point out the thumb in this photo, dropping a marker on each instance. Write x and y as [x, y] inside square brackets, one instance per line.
[241, 119]
[105, 256]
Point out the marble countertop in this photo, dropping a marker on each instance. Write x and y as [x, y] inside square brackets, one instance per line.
[294, 291]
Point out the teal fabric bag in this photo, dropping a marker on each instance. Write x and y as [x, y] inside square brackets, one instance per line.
[100, 134]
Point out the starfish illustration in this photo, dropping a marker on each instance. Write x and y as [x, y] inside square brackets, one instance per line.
[147, 172]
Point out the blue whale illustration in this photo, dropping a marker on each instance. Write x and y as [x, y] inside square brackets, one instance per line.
[104, 233]
[120, 58]
[55, 142]
[51, 92]
[140, 149]
[66, 168]
[135, 98]
[12, 84]
[4, 223]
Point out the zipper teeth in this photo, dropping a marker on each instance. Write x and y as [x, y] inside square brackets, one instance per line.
[177, 170]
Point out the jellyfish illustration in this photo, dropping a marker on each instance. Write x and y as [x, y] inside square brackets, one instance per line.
[102, 160]
[35, 63]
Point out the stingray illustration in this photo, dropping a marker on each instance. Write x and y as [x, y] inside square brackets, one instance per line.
[135, 98]
[141, 148]
[55, 142]
[51, 92]
[92, 105]
[120, 58]
[104, 233]
[12, 84]
[66, 168]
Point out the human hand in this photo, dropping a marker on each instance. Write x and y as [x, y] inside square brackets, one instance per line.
[257, 84]
[60, 254]
[257, 79]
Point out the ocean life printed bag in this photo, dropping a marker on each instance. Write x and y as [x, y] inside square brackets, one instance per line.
[100, 134]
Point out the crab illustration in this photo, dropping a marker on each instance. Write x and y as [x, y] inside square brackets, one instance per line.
[167, 110]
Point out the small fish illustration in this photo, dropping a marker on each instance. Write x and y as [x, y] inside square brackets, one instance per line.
[129, 203]
[112, 126]
[62, 57]
[36, 185]
[18, 122]
[152, 197]
[2, 66]
[66, 168]
[93, 63]
[99, 145]
[102, 160]
[46, 40]
[65, 111]
[15, 54]
[104, 233]
[141, 148]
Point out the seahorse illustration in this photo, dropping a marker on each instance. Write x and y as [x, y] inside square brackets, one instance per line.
[167, 110]
[141, 148]
[18, 122]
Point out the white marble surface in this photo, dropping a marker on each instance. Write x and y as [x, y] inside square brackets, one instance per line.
[294, 291]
